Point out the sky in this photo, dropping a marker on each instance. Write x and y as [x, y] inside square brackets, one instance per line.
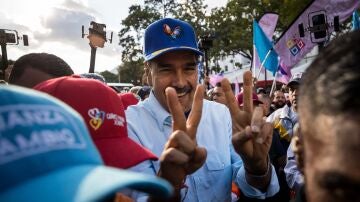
[54, 26]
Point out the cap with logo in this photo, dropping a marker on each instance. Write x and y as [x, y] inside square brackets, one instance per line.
[169, 34]
[295, 79]
[104, 114]
[46, 154]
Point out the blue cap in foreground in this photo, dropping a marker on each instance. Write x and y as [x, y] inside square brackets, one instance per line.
[46, 154]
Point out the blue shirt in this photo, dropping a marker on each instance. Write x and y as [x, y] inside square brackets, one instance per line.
[294, 178]
[149, 124]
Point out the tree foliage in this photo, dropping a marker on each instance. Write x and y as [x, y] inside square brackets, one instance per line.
[110, 77]
[232, 24]
[131, 72]
[132, 32]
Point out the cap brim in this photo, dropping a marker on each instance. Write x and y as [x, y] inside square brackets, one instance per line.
[122, 152]
[85, 183]
[293, 82]
[162, 51]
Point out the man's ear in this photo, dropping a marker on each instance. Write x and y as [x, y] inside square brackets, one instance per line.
[147, 73]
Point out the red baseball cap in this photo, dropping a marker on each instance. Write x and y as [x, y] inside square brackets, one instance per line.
[240, 99]
[128, 99]
[104, 115]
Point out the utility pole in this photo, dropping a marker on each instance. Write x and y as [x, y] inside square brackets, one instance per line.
[8, 37]
[97, 38]
[205, 43]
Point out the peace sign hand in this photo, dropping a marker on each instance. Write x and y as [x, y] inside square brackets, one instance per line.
[252, 136]
[181, 155]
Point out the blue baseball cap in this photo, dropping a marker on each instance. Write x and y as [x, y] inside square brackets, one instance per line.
[169, 34]
[46, 154]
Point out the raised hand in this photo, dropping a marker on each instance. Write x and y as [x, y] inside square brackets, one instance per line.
[252, 136]
[181, 155]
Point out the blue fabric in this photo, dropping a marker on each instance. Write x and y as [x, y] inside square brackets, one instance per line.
[46, 154]
[148, 124]
[263, 45]
[169, 34]
[83, 183]
[355, 21]
[294, 178]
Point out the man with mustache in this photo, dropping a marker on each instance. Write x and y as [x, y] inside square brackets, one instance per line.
[202, 145]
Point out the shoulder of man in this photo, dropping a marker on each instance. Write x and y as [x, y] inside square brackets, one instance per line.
[275, 115]
[214, 107]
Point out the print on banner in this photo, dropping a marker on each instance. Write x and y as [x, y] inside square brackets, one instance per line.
[313, 25]
[295, 46]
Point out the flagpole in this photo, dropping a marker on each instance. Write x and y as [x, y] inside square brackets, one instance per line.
[263, 62]
[274, 82]
[253, 68]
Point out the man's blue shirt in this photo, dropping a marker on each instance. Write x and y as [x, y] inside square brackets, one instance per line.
[149, 124]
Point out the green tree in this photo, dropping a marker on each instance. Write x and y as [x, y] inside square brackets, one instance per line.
[140, 16]
[131, 72]
[110, 77]
[232, 24]
[132, 32]
[193, 12]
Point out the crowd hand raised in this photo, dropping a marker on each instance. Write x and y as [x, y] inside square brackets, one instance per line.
[181, 154]
[252, 136]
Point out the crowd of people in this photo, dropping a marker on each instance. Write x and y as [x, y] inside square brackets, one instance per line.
[67, 137]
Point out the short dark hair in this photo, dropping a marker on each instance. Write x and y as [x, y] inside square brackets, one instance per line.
[45, 62]
[95, 76]
[331, 83]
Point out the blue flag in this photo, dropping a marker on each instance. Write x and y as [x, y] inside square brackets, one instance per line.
[355, 21]
[263, 45]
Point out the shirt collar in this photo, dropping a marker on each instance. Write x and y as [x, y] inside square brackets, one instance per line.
[288, 112]
[161, 116]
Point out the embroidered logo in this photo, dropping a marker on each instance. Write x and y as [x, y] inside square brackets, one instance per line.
[173, 33]
[97, 118]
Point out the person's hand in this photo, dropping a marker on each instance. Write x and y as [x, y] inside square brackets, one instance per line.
[181, 155]
[252, 136]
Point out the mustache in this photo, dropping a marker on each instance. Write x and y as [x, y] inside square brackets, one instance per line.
[186, 89]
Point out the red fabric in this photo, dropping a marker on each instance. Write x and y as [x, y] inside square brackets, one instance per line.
[235, 189]
[128, 99]
[104, 115]
[240, 98]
